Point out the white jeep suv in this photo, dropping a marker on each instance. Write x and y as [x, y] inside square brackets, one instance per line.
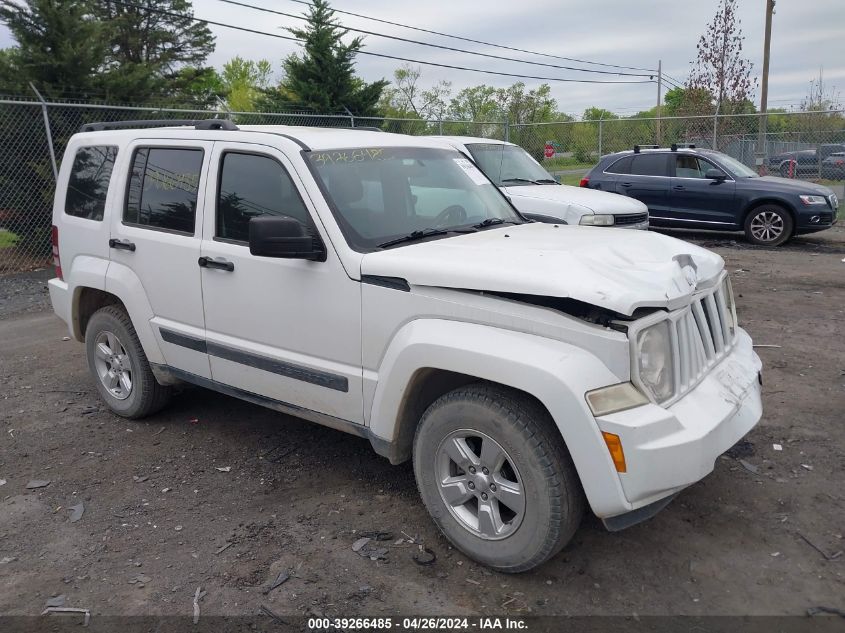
[538, 196]
[381, 285]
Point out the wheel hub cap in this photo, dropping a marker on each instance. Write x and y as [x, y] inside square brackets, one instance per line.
[113, 365]
[767, 226]
[480, 484]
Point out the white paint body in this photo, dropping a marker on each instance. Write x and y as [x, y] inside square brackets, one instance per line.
[319, 315]
[564, 202]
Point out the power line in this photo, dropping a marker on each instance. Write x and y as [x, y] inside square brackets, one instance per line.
[467, 39]
[440, 46]
[382, 55]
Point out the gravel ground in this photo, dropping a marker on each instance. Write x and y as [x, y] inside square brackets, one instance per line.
[217, 493]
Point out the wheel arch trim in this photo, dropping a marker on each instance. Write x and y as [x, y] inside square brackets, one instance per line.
[557, 374]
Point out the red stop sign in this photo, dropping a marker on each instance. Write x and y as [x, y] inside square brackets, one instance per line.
[549, 151]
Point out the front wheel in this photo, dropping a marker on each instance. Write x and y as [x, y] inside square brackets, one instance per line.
[768, 225]
[494, 473]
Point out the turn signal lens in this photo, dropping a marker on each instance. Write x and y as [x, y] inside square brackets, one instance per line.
[614, 445]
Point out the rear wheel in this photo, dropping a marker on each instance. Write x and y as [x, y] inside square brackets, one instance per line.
[768, 225]
[496, 477]
[119, 366]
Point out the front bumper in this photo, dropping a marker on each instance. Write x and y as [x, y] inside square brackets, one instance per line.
[640, 226]
[667, 449]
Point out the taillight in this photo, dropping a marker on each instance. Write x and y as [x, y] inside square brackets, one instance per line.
[585, 182]
[57, 262]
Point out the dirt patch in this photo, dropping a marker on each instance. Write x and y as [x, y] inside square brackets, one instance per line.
[161, 517]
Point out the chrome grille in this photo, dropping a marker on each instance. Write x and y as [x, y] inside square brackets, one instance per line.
[702, 335]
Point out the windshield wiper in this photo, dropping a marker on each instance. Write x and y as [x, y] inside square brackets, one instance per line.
[414, 235]
[491, 222]
[547, 181]
[528, 180]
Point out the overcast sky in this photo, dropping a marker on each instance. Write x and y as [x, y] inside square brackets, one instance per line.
[806, 35]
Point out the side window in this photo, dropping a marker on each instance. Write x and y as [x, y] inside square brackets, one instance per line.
[648, 165]
[621, 166]
[687, 166]
[252, 185]
[163, 187]
[89, 181]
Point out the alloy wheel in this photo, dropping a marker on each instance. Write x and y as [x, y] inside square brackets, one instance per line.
[113, 365]
[480, 484]
[767, 226]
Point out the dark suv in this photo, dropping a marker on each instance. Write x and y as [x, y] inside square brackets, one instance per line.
[691, 188]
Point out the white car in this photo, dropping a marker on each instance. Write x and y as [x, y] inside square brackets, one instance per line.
[538, 196]
[381, 285]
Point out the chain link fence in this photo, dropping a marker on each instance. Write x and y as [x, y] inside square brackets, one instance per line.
[32, 134]
[808, 145]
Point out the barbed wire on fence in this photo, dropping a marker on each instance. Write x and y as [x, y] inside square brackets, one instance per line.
[566, 148]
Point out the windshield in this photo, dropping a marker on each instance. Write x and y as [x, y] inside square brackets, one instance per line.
[508, 165]
[382, 194]
[738, 169]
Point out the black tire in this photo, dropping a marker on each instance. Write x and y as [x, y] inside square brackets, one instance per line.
[553, 498]
[146, 395]
[780, 220]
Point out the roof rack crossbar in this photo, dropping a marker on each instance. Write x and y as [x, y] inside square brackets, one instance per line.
[677, 146]
[199, 124]
[637, 148]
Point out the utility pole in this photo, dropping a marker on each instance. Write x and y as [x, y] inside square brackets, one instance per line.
[659, 98]
[764, 87]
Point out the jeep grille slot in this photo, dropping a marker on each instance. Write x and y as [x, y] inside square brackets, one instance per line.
[702, 337]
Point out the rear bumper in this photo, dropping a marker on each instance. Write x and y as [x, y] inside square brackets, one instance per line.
[61, 300]
[668, 449]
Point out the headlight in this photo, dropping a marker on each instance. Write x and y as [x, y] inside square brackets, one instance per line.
[596, 220]
[813, 199]
[654, 355]
[730, 306]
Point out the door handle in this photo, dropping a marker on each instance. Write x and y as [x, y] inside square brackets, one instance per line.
[219, 264]
[627, 184]
[679, 188]
[122, 245]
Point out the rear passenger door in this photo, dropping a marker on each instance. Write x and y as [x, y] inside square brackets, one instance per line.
[155, 243]
[647, 180]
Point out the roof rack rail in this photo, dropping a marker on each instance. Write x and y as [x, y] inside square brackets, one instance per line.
[368, 128]
[199, 124]
[677, 146]
[637, 148]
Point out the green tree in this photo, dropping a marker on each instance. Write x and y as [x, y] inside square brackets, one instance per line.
[149, 48]
[242, 82]
[598, 114]
[59, 48]
[406, 98]
[323, 78]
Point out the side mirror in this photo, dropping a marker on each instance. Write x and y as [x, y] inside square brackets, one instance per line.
[282, 236]
[715, 174]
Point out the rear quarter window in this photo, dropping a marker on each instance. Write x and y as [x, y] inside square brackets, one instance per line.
[621, 166]
[89, 181]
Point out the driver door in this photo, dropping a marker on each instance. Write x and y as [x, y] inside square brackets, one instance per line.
[695, 199]
[285, 329]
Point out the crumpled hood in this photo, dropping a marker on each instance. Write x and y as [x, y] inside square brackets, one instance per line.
[617, 270]
[592, 199]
